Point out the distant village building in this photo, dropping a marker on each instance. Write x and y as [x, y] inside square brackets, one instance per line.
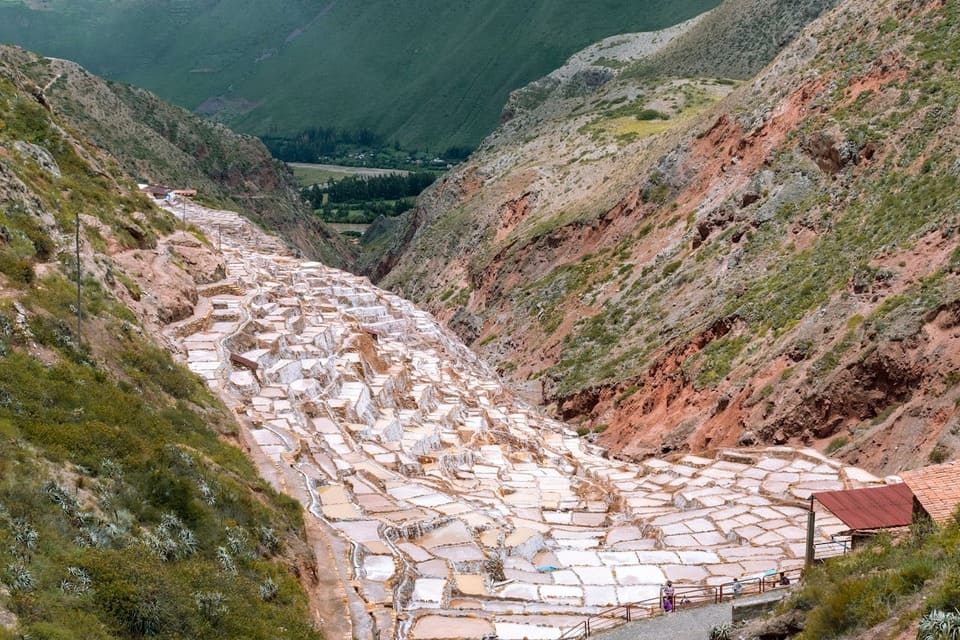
[161, 192]
[157, 191]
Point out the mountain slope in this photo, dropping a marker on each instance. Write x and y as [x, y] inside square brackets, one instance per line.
[160, 143]
[428, 73]
[126, 510]
[682, 270]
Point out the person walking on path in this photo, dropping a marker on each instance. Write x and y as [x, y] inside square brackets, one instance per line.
[666, 596]
[737, 588]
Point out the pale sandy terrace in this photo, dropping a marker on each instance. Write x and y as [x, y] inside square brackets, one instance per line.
[460, 510]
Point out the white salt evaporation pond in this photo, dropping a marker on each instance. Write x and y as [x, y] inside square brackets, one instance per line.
[461, 509]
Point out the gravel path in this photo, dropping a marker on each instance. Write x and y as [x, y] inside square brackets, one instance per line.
[692, 624]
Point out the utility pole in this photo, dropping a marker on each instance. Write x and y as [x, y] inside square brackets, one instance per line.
[77, 245]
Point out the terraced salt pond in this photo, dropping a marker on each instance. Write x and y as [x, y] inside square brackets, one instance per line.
[462, 510]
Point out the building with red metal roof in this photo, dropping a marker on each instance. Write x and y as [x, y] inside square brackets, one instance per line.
[871, 508]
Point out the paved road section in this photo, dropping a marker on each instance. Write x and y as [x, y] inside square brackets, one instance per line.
[692, 624]
[458, 510]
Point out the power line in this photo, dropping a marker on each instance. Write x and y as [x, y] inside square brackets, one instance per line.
[77, 244]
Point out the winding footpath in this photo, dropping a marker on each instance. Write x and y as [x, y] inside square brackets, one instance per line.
[444, 505]
[689, 624]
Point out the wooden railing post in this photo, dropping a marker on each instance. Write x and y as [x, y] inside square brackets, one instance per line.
[811, 532]
[628, 613]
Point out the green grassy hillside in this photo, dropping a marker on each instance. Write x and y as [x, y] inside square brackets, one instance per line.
[728, 46]
[881, 591]
[426, 73]
[125, 511]
[159, 143]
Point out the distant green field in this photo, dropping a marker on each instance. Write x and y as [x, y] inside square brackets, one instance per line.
[308, 175]
[427, 74]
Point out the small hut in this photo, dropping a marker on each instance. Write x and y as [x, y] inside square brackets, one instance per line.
[870, 510]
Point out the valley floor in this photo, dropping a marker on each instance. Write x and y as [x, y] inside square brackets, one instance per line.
[344, 170]
[453, 508]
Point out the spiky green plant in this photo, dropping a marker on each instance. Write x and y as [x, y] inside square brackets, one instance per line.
[19, 579]
[211, 605]
[269, 540]
[78, 582]
[939, 625]
[226, 560]
[268, 590]
[238, 543]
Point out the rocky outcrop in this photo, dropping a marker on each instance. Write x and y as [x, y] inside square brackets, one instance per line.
[161, 283]
[196, 257]
[780, 627]
[8, 620]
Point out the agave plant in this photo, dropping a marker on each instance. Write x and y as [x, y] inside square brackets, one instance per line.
[226, 560]
[269, 540]
[104, 536]
[25, 535]
[171, 540]
[61, 497]
[78, 582]
[940, 625]
[161, 546]
[111, 469]
[721, 632]
[19, 579]
[209, 495]
[268, 589]
[211, 605]
[238, 543]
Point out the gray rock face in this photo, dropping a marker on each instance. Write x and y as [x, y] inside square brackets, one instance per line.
[40, 155]
[778, 628]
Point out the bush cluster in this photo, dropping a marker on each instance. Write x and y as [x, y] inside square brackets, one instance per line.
[882, 582]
